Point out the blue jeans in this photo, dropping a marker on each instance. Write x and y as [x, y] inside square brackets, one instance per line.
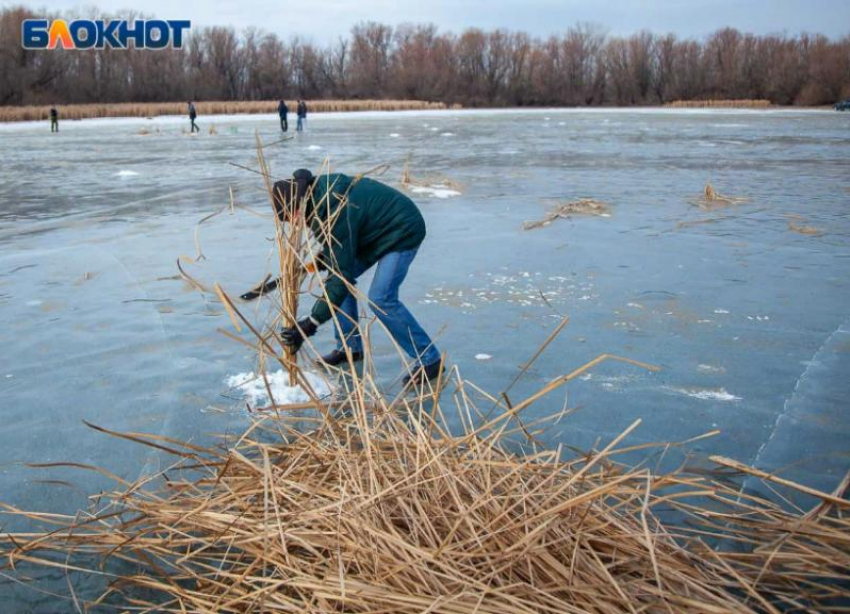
[383, 294]
[301, 124]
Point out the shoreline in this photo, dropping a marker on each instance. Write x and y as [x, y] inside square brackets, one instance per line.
[36, 114]
[217, 119]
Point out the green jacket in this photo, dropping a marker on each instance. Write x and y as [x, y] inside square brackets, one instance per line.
[375, 220]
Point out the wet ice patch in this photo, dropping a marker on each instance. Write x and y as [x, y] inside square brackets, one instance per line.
[125, 173]
[437, 191]
[706, 394]
[252, 387]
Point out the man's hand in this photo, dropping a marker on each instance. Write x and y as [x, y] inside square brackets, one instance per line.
[293, 337]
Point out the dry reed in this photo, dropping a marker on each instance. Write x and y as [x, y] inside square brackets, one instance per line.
[796, 223]
[720, 104]
[582, 206]
[235, 107]
[432, 181]
[712, 199]
[428, 503]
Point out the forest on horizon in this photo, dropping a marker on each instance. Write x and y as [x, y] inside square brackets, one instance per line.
[581, 66]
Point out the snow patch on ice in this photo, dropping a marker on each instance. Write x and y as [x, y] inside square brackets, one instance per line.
[253, 387]
[707, 394]
[437, 191]
[395, 135]
[720, 311]
[447, 134]
[483, 357]
[314, 147]
[125, 173]
[710, 369]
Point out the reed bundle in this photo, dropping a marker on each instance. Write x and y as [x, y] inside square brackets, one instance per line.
[712, 199]
[582, 206]
[382, 509]
[444, 501]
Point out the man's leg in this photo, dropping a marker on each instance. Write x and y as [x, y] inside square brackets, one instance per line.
[348, 317]
[411, 337]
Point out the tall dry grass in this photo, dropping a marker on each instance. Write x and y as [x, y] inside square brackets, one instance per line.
[238, 107]
[719, 104]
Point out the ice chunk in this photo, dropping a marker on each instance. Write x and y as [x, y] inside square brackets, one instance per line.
[253, 387]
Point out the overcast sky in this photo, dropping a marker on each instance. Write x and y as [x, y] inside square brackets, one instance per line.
[325, 20]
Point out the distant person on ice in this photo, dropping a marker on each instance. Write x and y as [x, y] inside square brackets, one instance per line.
[54, 120]
[301, 111]
[283, 111]
[193, 114]
[377, 226]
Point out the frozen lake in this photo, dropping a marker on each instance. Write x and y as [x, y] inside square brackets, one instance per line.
[746, 308]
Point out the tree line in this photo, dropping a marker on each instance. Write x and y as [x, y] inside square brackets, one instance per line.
[581, 66]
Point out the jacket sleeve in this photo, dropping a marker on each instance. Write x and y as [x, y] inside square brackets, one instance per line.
[339, 257]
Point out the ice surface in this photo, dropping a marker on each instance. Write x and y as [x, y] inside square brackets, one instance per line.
[98, 326]
[253, 387]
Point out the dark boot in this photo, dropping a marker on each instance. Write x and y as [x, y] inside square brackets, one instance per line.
[335, 358]
[427, 372]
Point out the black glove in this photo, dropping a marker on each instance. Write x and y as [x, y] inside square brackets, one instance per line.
[293, 337]
[260, 290]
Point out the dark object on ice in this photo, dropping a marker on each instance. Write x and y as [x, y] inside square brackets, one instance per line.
[54, 120]
[301, 112]
[427, 372]
[283, 111]
[293, 336]
[193, 114]
[843, 105]
[335, 357]
[267, 286]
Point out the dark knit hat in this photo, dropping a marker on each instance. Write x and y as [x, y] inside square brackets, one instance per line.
[289, 193]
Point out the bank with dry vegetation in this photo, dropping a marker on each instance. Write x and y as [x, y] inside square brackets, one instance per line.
[219, 107]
